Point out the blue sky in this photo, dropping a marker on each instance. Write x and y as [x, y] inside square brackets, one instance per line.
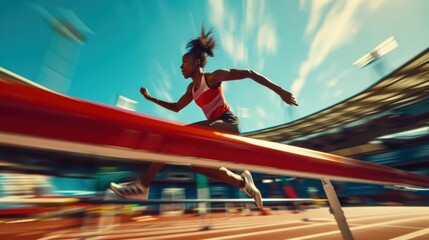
[307, 47]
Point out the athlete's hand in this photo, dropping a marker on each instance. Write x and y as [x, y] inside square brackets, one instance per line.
[288, 98]
[145, 92]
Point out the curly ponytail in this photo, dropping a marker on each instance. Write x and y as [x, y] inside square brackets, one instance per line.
[202, 46]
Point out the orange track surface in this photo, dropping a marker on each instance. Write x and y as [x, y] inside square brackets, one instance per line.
[369, 223]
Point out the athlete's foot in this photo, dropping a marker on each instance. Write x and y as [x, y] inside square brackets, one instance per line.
[250, 189]
[130, 190]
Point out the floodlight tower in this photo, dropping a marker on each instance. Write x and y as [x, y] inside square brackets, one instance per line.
[63, 51]
[382, 49]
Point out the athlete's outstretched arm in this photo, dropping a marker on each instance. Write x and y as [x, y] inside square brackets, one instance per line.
[173, 106]
[218, 76]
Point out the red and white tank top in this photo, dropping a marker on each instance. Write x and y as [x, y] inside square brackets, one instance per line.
[210, 100]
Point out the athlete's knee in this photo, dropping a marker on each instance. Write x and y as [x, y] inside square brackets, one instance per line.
[228, 172]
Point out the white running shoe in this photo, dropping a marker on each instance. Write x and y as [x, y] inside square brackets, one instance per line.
[250, 189]
[130, 190]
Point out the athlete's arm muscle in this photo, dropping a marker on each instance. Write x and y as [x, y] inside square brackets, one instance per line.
[221, 75]
[173, 106]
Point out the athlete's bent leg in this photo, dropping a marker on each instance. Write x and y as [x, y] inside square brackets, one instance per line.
[243, 181]
[147, 178]
[138, 189]
[221, 174]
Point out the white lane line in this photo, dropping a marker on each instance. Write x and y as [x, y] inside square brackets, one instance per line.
[170, 227]
[389, 226]
[183, 228]
[254, 233]
[177, 228]
[196, 233]
[412, 235]
[140, 228]
[361, 227]
[50, 237]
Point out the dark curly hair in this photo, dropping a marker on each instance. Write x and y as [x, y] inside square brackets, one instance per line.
[202, 46]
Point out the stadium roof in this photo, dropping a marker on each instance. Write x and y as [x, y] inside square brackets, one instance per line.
[408, 85]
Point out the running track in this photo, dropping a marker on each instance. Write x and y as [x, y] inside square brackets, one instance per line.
[367, 223]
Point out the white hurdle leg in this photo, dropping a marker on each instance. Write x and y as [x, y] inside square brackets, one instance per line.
[336, 209]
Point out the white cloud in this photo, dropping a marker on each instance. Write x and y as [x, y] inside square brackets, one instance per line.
[165, 95]
[236, 34]
[243, 112]
[174, 69]
[298, 83]
[261, 64]
[326, 73]
[331, 94]
[274, 100]
[163, 74]
[332, 83]
[235, 47]
[267, 38]
[338, 28]
[261, 112]
[260, 125]
[163, 84]
[316, 9]
[338, 93]
[338, 76]
[191, 17]
[325, 95]
[218, 10]
[374, 5]
[331, 79]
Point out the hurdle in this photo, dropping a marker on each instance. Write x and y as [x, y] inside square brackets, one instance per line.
[40, 119]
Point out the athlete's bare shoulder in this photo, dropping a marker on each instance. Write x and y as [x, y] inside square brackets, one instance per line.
[212, 79]
[228, 74]
[216, 74]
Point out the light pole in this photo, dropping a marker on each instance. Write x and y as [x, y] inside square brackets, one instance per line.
[382, 49]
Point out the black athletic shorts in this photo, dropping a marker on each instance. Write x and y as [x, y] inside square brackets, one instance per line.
[229, 117]
[226, 117]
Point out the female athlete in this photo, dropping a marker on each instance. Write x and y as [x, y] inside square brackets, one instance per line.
[206, 90]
